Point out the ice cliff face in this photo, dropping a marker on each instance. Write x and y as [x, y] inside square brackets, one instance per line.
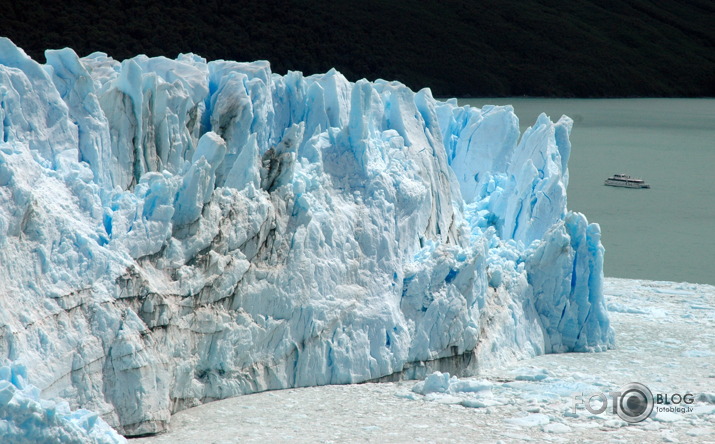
[26, 418]
[175, 231]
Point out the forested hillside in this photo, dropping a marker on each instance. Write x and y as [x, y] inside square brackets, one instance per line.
[566, 48]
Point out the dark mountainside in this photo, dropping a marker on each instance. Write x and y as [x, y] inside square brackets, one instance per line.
[559, 48]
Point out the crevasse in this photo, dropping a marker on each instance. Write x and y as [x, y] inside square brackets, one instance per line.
[175, 231]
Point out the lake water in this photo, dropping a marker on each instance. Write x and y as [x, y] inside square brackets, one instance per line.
[666, 232]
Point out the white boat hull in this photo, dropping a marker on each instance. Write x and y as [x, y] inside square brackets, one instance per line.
[625, 184]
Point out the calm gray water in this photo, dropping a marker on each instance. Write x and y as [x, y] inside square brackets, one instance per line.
[667, 232]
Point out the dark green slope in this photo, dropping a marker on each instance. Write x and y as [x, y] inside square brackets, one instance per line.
[583, 48]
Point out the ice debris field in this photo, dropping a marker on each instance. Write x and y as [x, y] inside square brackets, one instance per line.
[174, 232]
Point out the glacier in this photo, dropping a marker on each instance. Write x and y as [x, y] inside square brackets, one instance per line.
[177, 231]
[25, 417]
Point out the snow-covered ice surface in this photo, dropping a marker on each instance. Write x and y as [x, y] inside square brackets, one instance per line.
[174, 232]
[666, 338]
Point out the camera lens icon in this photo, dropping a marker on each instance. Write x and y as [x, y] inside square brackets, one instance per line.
[635, 403]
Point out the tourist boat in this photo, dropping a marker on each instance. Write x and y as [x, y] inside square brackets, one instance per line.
[622, 180]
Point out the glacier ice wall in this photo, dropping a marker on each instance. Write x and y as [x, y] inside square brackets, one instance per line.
[25, 417]
[175, 231]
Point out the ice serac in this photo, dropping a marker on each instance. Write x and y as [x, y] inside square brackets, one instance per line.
[175, 231]
[24, 417]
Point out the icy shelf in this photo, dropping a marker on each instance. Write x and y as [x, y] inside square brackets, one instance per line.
[175, 231]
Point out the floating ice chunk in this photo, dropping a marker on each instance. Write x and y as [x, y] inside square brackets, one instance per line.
[408, 395]
[435, 383]
[470, 385]
[532, 420]
[619, 307]
[557, 427]
[697, 353]
[704, 410]
[479, 403]
[531, 374]
[672, 291]
[699, 431]
[667, 417]
[668, 436]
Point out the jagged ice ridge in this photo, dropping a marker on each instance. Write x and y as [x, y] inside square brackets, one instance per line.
[175, 231]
